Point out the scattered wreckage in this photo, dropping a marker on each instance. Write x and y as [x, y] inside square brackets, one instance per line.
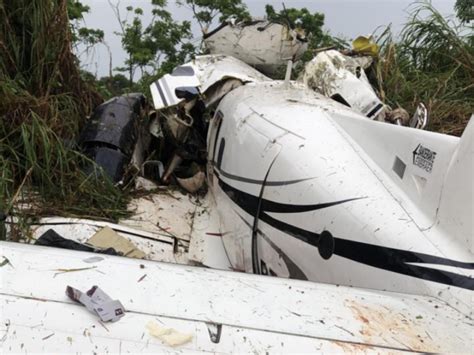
[363, 222]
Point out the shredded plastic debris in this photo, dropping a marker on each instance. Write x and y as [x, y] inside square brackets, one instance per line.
[98, 302]
[168, 336]
[365, 45]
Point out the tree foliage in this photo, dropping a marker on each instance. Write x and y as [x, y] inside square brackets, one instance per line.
[432, 62]
[44, 102]
[311, 23]
[465, 10]
[159, 45]
[206, 12]
[80, 34]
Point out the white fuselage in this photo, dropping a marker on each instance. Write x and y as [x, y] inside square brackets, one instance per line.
[302, 195]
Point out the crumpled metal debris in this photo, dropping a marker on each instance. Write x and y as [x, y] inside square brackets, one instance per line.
[111, 133]
[343, 79]
[265, 45]
[193, 183]
[98, 302]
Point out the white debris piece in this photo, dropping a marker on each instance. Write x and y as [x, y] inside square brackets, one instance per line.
[169, 336]
[98, 302]
[343, 78]
[201, 73]
[262, 44]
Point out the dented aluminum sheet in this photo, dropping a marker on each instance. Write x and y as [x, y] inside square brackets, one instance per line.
[202, 73]
[264, 45]
[343, 78]
[225, 312]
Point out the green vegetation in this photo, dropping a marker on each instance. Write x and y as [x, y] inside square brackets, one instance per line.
[159, 46]
[433, 63]
[310, 23]
[465, 11]
[44, 103]
[205, 12]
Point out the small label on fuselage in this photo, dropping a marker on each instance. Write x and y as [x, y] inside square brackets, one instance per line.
[424, 158]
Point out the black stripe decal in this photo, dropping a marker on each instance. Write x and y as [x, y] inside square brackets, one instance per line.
[397, 260]
[293, 269]
[271, 206]
[390, 259]
[160, 91]
[167, 89]
[259, 182]
[220, 117]
[249, 202]
[374, 110]
[255, 257]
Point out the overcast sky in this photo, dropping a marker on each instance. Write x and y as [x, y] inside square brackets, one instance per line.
[346, 18]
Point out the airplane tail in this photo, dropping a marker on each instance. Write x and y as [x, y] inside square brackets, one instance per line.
[455, 213]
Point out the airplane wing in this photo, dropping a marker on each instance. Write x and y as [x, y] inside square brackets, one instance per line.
[225, 312]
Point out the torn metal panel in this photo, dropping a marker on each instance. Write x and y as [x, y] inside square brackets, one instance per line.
[201, 73]
[343, 78]
[111, 133]
[264, 45]
[115, 123]
[163, 90]
[217, 91]
[214, 68]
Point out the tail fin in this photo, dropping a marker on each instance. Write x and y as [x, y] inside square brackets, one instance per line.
[455, 214]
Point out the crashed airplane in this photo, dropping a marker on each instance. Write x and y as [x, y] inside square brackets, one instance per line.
[363, 218]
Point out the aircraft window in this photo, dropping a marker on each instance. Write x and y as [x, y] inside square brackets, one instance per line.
[221, 153]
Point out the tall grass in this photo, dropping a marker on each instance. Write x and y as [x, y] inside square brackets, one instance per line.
[43, 105]
[433, 62]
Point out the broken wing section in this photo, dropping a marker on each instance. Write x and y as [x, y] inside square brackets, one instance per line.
[262, 44]
[198, 76]
[254, 313]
